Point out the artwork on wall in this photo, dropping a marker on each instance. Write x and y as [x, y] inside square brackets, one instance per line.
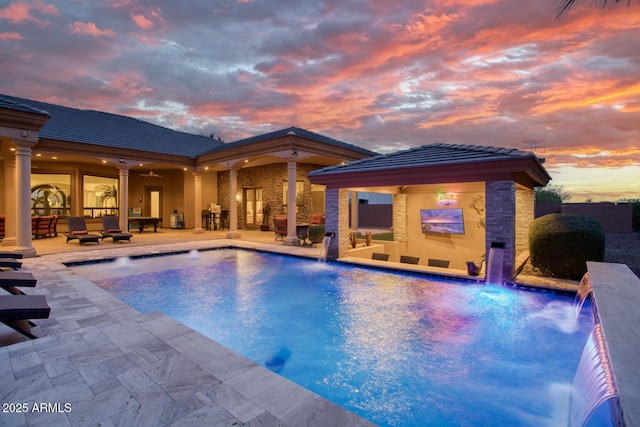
[442, 221]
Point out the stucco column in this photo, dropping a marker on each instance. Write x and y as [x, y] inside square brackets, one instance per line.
[292, 238]
[233, 205]
[123, 198]
[197, 203]
[23, 199]
[354, 211]
[10, 199]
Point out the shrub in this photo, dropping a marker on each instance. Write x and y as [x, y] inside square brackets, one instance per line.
[316, 233]
[561, 244]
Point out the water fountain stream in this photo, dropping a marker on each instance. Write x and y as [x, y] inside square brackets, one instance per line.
[594, 382]
[584, 290]
[325, 246]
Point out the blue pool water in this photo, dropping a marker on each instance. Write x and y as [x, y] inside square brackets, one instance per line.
[397, 349]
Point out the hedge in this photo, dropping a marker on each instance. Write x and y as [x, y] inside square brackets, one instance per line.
[561, 244]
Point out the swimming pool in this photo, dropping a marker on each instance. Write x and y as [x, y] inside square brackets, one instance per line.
[397, 349]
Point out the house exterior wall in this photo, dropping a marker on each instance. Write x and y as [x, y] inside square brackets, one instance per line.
[501, 218]
[270, 179]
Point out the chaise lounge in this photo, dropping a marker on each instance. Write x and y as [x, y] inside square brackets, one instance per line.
[10, 280]
[10, 263]
[16, 310]
[111, 229]
[78, 231]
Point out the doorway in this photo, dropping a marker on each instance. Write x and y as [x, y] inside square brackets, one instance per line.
[252, 197]
[154, 201]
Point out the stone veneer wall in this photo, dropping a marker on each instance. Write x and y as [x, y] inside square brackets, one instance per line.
[501, 221]
[269, 178]
[400, 221]
[337, 221]
[525, 210]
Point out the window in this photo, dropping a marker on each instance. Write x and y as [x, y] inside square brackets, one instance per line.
[100, 196]
[317, 198]
[50, 194]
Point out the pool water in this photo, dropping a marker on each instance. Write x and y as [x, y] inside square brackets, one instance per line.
[397, 349]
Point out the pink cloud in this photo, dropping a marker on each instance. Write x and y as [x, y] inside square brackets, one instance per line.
[148, 19]
[89, 28]
[23, 11]
[11, 36]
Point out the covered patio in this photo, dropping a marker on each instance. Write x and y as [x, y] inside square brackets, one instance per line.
[489, 190]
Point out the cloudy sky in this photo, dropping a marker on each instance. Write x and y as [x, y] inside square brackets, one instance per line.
[385, 75]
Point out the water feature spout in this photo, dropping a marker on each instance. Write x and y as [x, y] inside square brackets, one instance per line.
[584, 290]
[594, 382]
[495, 264]
[324, 250]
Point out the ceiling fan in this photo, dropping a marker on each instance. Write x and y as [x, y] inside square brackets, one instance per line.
[151, 174]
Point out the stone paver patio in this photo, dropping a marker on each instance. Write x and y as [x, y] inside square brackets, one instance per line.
[100, 362]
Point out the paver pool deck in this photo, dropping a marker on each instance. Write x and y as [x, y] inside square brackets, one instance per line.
[100, 362]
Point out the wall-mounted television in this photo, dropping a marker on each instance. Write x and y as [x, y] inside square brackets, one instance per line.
[442, 221]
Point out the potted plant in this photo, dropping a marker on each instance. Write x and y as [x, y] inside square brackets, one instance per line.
[316, 233]
[266, 212]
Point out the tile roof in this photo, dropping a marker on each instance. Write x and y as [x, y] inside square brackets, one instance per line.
[111, 130]
[13, 104]
[428, 155]
[303, 133]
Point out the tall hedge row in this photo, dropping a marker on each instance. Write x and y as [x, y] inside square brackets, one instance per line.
[561, 244]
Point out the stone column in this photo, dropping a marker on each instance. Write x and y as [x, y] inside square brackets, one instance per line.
[233, 205]
[197, 203]
[501, 222]
[23, 199]
[123, 198]
[292, 238]
[400, 218]
[337, 221]
[10, 199]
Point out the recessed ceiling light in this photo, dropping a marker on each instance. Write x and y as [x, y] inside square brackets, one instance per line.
[54, 158]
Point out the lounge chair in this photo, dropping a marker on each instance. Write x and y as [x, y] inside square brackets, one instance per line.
[10, 263]
[10, 280]
[16, 310]
[380, 256]
[111, 229]
[10, 254]
[78, 231]
[280, 226]
[409, 259]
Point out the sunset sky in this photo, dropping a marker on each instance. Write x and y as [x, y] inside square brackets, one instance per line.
[384, 75]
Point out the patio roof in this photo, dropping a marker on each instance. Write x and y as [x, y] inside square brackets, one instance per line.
[292, 131]
[437, 163]
[110, 130]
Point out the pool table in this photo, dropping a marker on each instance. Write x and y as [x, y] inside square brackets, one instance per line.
[142, 221]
